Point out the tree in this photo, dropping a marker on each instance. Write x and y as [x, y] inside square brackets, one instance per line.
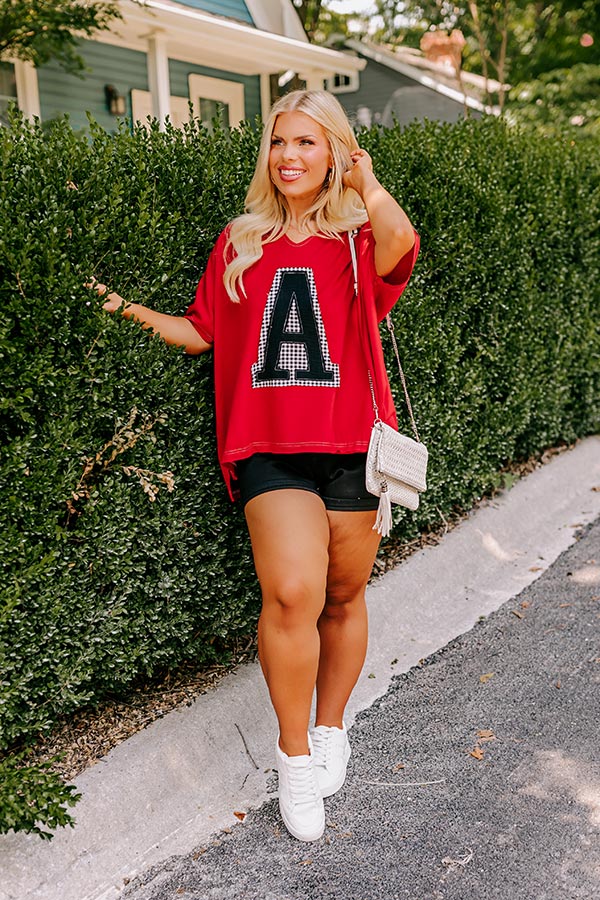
[309, 12]
[563, 101]
[524, 37]
[399, 16]
[490, 23]
[41, 30]
[513, 41]
[333, 27]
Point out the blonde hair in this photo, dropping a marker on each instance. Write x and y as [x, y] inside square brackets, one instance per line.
[336, 209]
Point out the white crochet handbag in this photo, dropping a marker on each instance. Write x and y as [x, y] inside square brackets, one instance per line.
[396, 464]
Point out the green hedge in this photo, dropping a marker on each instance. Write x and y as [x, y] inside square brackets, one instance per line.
[107, 574]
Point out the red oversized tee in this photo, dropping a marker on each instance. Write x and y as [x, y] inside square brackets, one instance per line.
[291, 359]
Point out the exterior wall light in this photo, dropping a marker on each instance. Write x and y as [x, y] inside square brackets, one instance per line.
[115, 103]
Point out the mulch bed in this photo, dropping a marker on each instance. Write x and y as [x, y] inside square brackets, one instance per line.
[88, 734]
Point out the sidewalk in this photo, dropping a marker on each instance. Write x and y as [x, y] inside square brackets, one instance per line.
[476, 776]
[172, 786]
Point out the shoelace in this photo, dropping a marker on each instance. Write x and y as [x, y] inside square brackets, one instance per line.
[322, 747]
[302, 785]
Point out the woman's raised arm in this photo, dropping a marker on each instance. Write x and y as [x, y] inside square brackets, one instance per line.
[175, 330]
[392, 229]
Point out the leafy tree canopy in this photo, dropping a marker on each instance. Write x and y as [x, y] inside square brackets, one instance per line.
[564, 101]
[309, 12]
[547, 52]
[540, 36]
[41, 30]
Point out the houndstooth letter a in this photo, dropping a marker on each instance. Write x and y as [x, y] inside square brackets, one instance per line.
[293, 347]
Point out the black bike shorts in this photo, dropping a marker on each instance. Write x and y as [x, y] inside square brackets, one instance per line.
[338, 478]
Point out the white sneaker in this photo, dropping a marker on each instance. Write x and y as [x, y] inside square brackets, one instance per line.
[331, 752]
[300, 802]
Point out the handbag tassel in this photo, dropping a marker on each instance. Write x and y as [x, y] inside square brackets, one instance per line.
[383, 522]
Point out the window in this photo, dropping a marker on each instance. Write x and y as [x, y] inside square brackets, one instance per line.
[341, 81]
[343, 84]
[211, 97]
[213, 109]
[8, 89]
[217, 97]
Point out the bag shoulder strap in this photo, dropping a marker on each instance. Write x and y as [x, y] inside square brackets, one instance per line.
[388, 320]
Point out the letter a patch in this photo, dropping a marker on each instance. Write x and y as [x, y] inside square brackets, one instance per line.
[293, 347]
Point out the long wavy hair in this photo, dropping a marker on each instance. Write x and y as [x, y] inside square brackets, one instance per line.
[335, 210]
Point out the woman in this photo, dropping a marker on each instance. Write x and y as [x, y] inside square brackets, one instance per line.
[293, 349]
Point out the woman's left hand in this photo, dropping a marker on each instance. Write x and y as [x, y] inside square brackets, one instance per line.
[362, 167]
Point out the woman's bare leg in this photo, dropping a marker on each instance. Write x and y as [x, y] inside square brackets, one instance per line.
[289, 530]
[343, 624]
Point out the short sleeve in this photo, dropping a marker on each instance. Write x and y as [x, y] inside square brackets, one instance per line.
[388, 288]
[201, 312]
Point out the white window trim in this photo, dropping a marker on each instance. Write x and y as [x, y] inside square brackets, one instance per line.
[219, 89]
[180, 111]
[142, 108]
[345, 89]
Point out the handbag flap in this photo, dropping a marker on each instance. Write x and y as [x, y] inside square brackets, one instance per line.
[402, 458]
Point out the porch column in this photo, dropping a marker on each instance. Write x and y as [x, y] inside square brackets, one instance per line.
[28, 95]
[158, 77]
[265, 95]
[314, 80]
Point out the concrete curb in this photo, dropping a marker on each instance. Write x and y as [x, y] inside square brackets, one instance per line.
[173, 785]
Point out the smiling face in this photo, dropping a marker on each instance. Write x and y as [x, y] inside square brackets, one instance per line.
[299, 159]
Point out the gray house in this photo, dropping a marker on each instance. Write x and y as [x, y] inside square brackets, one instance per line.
[406, 84]
[230, 55]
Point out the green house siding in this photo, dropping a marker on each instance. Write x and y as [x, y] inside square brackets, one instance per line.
[179, 72]
[62, 93]
[231, 9]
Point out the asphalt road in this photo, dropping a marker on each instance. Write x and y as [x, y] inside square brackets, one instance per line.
[476, 777]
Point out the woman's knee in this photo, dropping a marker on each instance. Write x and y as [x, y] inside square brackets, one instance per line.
[293, 598]
[343, 600]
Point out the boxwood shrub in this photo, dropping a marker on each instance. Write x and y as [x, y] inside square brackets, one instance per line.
[121, 555]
